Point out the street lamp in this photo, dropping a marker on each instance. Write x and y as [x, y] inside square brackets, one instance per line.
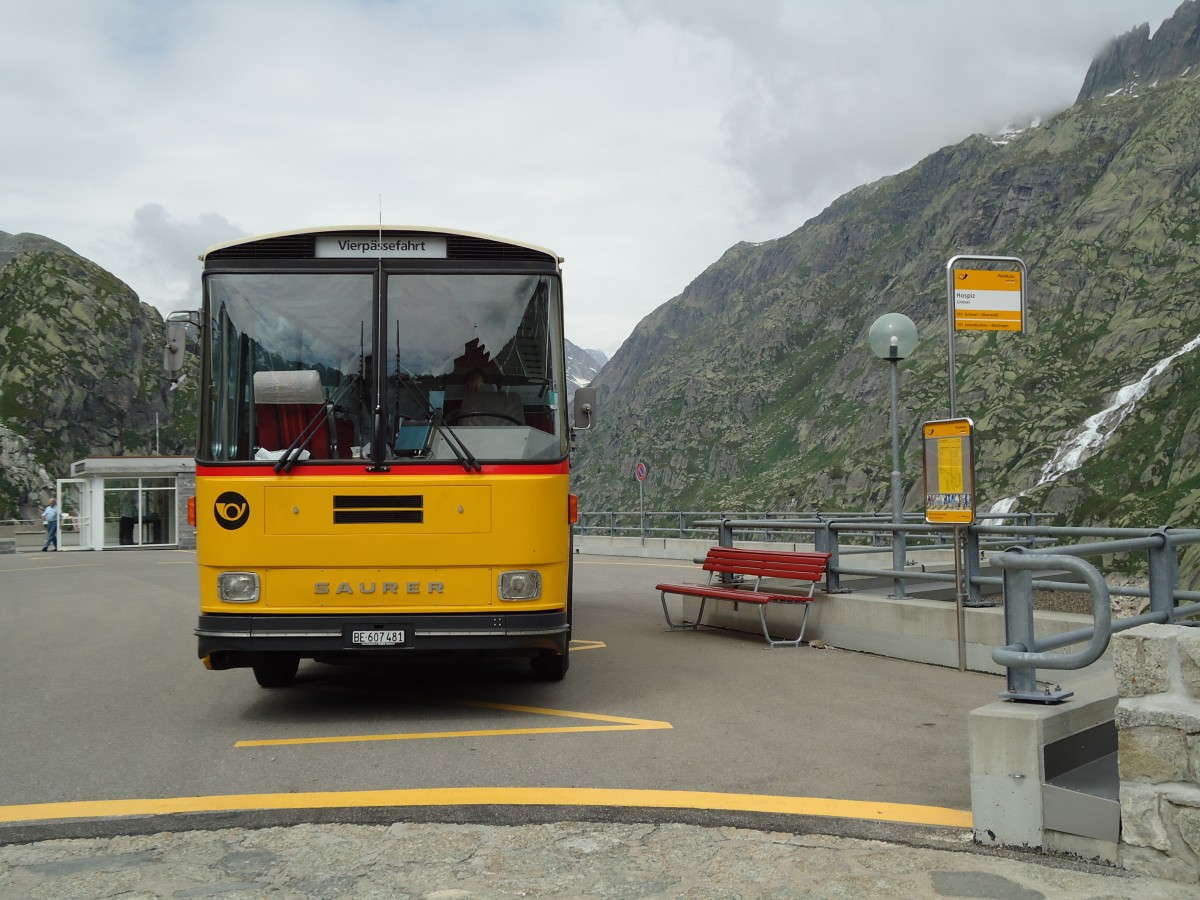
[893, 337]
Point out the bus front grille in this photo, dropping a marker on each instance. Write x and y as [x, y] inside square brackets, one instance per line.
[383, 509]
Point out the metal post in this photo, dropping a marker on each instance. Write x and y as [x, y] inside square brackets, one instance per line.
[899, 549]
[1164, 576]
[821, 538]
[642, 510]
[1018, 628]
[829, 538]
[974, 593]
[893, 337]
[958, 602]
[725, 532]
[725, 539]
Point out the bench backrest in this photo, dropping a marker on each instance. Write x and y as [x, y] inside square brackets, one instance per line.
[767, 563]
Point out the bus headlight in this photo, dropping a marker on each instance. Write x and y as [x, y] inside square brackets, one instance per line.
[238, 587]
[525, 584]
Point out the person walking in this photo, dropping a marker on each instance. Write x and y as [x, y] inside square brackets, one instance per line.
[50, 520]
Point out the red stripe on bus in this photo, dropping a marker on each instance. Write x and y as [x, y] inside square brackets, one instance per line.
[421, 471]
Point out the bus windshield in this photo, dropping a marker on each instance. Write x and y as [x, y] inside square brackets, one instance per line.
[469, 362]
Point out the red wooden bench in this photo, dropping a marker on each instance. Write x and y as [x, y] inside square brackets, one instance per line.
[745, 563]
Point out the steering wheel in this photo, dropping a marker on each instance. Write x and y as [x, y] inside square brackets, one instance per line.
[459, 414]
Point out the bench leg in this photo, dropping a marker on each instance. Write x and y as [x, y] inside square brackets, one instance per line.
[772, 643]
[683, 624]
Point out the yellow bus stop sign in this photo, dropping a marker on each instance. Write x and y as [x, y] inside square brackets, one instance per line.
[949, 472]
[986, 300]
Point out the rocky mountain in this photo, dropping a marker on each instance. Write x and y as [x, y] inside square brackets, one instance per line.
[755, 388]
[582, 367]
[1136, 59]
[80, 371]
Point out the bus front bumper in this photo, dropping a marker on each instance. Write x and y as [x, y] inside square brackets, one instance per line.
[233, 641]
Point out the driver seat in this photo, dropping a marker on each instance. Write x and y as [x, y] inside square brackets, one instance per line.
[476, 407]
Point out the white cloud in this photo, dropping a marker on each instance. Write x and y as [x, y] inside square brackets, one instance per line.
[637, 139]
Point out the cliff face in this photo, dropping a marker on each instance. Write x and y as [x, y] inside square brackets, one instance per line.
[756, 388]
[1136, 60]
[81, 370]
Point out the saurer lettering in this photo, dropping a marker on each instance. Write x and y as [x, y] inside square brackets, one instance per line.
[386, 587]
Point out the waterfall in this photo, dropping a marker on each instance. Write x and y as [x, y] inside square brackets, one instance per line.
[1096, 430]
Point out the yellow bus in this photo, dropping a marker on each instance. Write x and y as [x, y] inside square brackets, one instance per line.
[383, 458]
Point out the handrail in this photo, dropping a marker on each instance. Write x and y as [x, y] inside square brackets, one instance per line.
[1042, 551]
[1025, 653]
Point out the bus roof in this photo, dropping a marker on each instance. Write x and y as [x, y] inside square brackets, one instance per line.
[376, 229]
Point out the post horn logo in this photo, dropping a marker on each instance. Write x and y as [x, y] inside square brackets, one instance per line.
[231, 510]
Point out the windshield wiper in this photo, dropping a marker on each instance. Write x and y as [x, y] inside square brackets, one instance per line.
[455, 443]
[292, 454]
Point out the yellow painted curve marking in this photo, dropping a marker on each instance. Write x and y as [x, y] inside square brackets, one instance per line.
[616, 723]
[496, 796]
[588, 645]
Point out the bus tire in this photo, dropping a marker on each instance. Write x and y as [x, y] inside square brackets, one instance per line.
[276, 670]
[550, 666]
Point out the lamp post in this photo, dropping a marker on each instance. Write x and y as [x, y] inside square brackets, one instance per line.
[893, 337]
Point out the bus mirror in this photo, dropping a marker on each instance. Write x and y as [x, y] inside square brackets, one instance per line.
[173, 353]
[175, 348]
[585, 408]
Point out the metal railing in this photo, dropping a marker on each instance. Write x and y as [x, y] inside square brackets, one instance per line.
[1027, 545]
[782, 526]
[1025, 653]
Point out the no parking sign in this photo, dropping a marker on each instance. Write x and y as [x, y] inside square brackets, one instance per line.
[639, 471]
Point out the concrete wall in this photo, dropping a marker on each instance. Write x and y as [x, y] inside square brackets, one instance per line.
[1152, 692]
[1158, 743]
[1008, 773]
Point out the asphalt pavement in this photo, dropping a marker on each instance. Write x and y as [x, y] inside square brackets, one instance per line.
[666, 765]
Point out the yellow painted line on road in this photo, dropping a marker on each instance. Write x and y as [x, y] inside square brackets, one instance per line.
[496, 796]
[588, 645]
[616, 723]
[566, 713]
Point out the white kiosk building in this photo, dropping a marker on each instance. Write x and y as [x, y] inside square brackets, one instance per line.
[124, 502]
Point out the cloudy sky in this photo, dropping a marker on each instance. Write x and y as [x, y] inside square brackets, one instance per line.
[637, 138]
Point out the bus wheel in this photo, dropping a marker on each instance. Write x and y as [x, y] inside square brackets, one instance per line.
[550, 666]
[276, 670]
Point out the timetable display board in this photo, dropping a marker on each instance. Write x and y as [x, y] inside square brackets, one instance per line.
[949, 464]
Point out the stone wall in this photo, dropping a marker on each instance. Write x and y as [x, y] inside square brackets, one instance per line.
[1158, 735]
[185, 487]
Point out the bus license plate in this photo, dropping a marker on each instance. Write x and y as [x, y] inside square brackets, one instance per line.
[377, 637]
